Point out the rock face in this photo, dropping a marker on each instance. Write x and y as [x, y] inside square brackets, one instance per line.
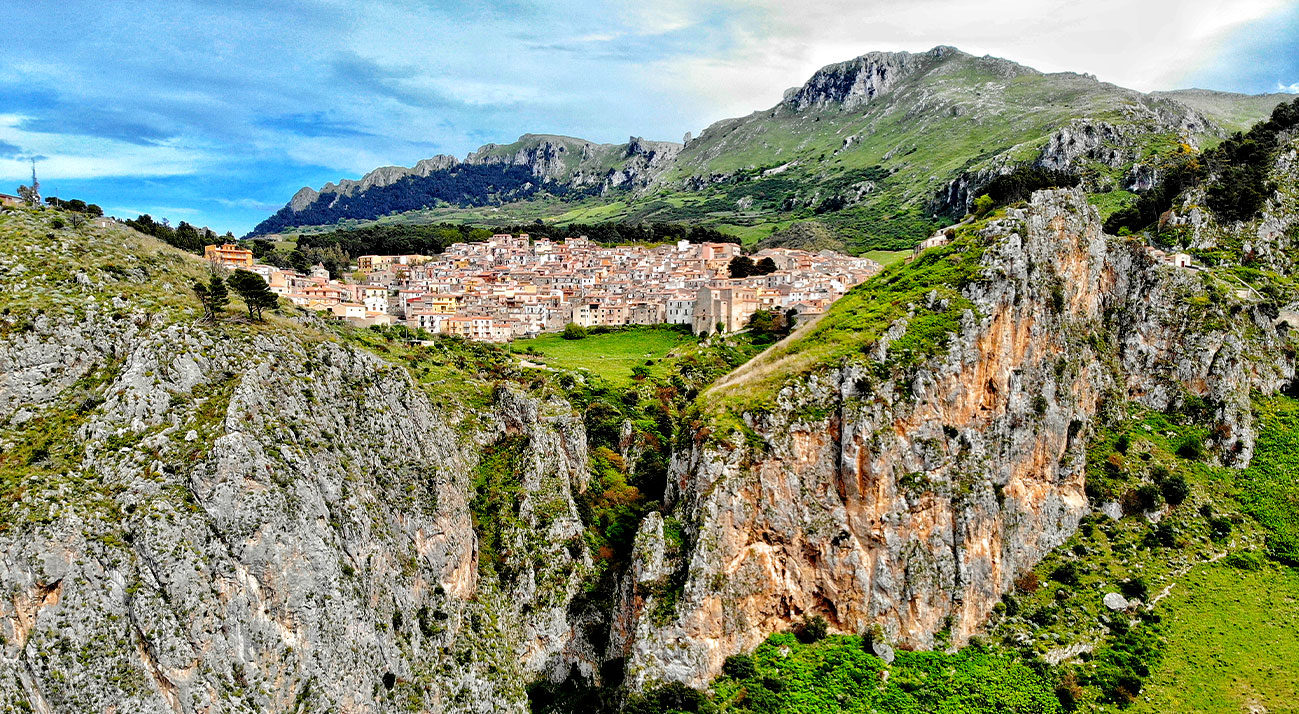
[914, 501]
[264, 522]
[562, 161]
[858, 81]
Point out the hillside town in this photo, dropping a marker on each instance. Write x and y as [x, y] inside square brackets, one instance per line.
[514, 286]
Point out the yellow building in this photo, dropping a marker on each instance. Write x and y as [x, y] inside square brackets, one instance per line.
[229, 255]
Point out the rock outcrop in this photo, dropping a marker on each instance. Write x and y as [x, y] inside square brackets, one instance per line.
[858, 81]
[914, 500]
[264, 521]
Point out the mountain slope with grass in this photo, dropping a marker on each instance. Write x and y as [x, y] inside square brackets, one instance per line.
[876, 151]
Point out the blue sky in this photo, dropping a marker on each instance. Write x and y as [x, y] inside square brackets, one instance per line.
[216, 111]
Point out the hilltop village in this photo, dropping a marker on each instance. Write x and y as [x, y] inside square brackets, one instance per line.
[513, 286]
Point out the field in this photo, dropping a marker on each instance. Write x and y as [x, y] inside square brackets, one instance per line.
[1233, 640]
[887, 257]
[611, 355]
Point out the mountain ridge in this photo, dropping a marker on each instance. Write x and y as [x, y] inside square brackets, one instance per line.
[881, 149]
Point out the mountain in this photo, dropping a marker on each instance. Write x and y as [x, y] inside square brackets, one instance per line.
[1038, 468]
[880, 150]
[535, 166]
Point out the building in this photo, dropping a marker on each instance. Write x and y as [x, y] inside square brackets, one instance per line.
[934, 241]
[229, 255]
[8, 201]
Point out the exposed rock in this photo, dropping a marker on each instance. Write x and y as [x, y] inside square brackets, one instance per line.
[857, 81]
[1115, 601]
[288, 521]
[906, 504]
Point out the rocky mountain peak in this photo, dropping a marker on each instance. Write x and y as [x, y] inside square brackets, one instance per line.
[303, 198]
[859, 80]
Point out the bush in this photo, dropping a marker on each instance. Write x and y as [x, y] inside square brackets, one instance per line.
[811, 629]
[1066, 574]
[1245, 561]
[1135, 588]
[1175, 489]
[1192, 448]
[1219, 528]
[573, 331]
[1028, 582]
[673, 697]
[739, 666]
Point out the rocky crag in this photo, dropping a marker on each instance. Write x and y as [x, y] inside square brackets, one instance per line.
[914, 498]
[258, 519]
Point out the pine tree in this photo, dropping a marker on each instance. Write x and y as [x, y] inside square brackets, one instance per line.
[204, 297]
[219, 296]
[254, 291]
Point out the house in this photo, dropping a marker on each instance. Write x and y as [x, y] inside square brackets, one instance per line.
[228, 255]
[7, 201]
[348, 310]
[1181, 260]
[934, 241]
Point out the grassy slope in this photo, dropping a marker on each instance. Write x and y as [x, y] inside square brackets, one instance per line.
[887, 257]
[858, 319]
[838, 675]
[1234, 112]
[1233, 641]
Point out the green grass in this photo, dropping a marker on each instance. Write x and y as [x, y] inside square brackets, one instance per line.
[1108, 203]
[1269, 488]
[838, 675]
[887, 257]
[1233, 643]
[610, 356]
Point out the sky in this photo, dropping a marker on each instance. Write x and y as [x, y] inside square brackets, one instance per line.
[217, 111]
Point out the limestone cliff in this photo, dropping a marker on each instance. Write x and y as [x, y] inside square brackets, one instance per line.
[914, 498]
[235, 518]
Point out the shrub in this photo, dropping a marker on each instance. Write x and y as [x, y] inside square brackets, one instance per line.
[739, 666]
[673, 697]
[1192, 448]
[573, 331]
[1028, 582]
[1066, 574]
[811, 629]
[1219, 528]
[1135, 588]
[1175, 489]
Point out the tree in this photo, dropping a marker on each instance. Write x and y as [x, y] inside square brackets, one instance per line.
[254, 291]
[766, 266]
[29, 196]
[214, 296]
[982, 205]
[741, 266]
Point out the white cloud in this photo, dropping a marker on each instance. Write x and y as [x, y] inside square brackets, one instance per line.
[1144, 46]
[86, 157]
[1288, 88]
